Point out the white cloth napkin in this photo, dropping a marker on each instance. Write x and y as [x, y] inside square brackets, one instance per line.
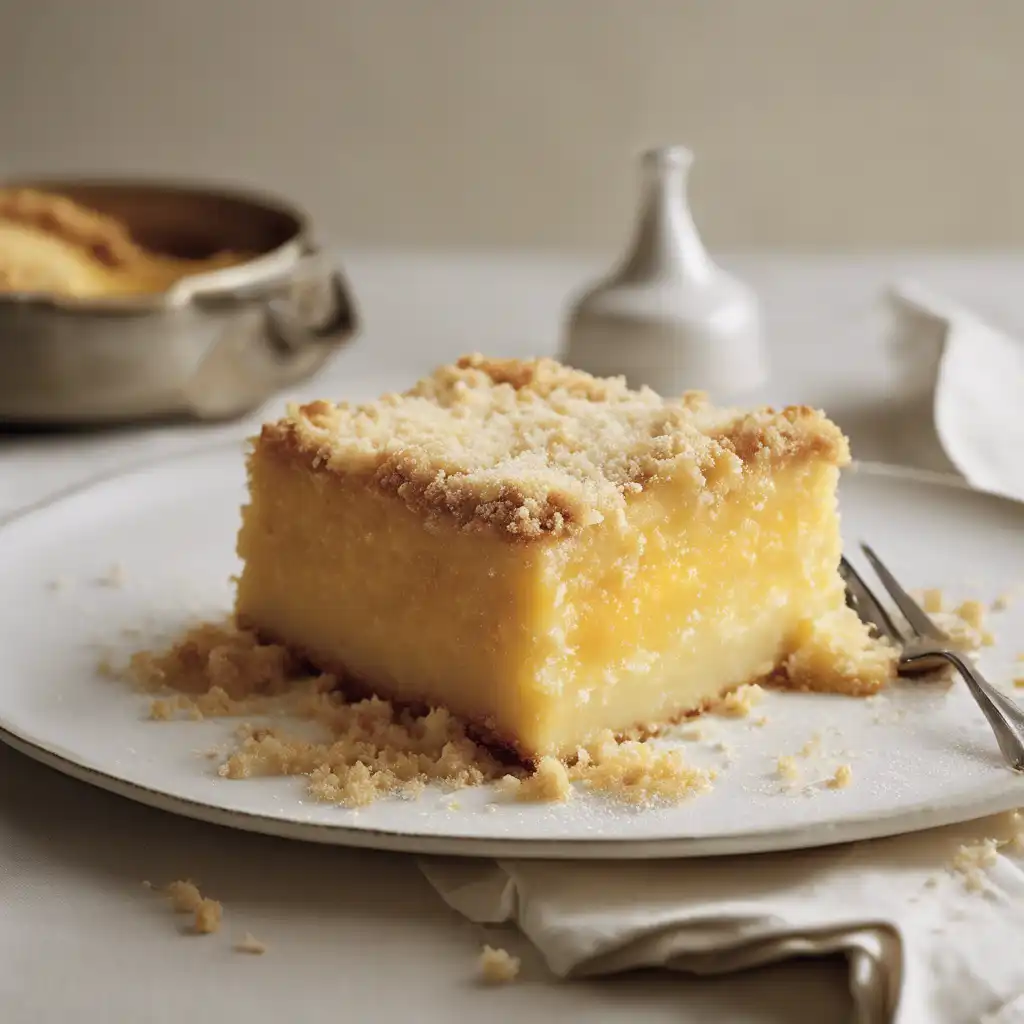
[975, 377]
[923, 944]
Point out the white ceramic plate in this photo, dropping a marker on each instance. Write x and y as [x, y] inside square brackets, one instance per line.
[921, 756]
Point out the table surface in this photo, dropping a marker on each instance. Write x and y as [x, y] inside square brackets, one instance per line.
[359, 933]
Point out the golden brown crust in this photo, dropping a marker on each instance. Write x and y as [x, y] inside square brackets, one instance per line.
[533, 449]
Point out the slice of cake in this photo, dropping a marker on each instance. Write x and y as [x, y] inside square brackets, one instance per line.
[549, 555]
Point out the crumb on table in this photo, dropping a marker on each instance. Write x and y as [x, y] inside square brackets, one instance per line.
[842, 778]
[208, 916]
[972, 861]
[248, 943]
[497, 966]
[184, 895]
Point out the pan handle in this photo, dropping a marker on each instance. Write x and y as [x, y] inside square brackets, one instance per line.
[315, 311]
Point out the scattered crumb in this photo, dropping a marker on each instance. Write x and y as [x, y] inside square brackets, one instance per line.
[639, 773]
[371, 749]
[972, 612]
[1002, 602]
[696, 733]
[787, 768]
[842, 778]
[161, 710]
[838, 653]
[932, 600]
[508, 784]
[113, 577]
[1018, 681]
[549, 783]
[972, 860]
[760, 722]
[497, 966]
[740, 702]
[931, 881]
[250, 944]
[185, 897]
[812, 746]
[208, 916]
[965, 625]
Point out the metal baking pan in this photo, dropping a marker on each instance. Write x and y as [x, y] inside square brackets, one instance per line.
[212, 347]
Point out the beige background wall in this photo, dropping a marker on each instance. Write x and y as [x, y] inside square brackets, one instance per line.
[817, 123]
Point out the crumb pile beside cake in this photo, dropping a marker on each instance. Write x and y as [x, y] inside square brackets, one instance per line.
[552, 557]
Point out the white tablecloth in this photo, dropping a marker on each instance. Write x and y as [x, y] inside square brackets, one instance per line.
[360, 935]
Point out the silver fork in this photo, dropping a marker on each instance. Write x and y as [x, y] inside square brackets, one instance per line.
[927, 647]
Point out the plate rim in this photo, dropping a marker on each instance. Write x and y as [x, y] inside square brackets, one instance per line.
[872, 825]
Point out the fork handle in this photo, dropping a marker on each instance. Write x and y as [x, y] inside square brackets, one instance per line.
[1005, 717]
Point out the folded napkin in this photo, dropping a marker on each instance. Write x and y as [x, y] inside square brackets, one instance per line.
[973, 376]
[931, 930]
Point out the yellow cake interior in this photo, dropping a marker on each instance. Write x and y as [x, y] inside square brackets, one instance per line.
[547, 597]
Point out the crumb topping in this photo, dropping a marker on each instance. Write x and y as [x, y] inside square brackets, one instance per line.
[497, 966]
[533, 449]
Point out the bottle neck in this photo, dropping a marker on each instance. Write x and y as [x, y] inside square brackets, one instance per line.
[666, 245]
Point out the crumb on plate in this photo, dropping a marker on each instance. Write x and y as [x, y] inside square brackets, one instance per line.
[548, 783]
[740, 702]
